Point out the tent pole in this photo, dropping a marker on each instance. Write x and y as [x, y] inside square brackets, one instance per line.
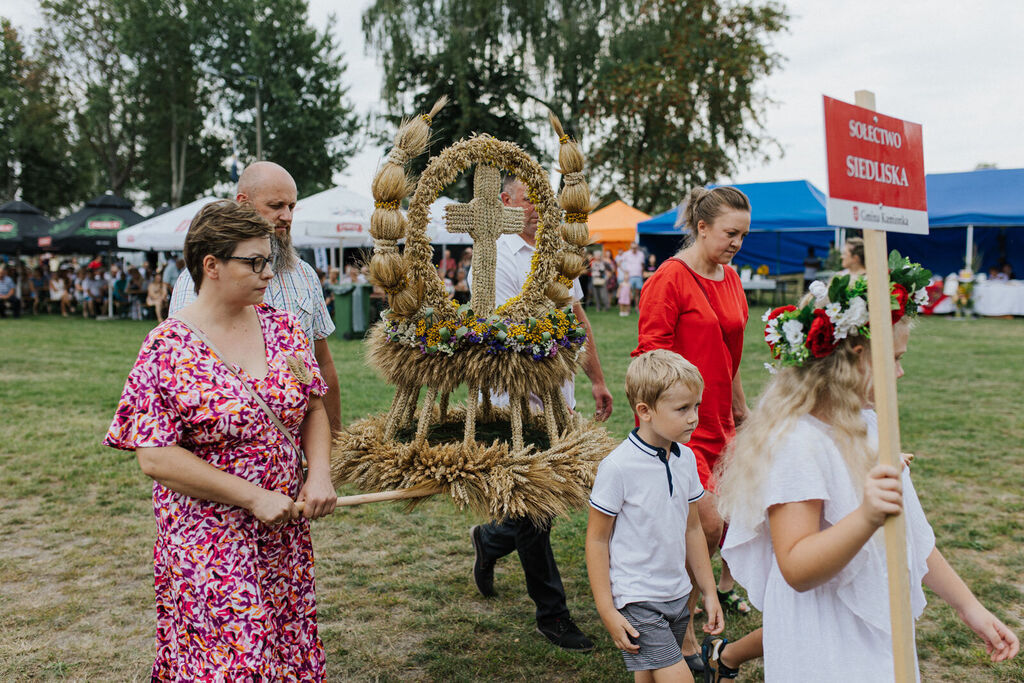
[778, 252]
[969, 252]
[110, 296]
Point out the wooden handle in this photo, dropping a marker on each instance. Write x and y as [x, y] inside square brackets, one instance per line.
[381, 497]
[883, 369]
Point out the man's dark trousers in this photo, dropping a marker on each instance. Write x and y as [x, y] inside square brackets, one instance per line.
[533, 543]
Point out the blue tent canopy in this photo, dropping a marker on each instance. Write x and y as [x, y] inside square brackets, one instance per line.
[787, 205]
[943, 250]
[991, 197]
[990, 200]
[787, 219]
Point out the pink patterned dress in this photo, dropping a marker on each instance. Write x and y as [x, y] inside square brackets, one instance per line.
[235, 599]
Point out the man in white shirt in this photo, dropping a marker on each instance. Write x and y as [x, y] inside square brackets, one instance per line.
[493, 541]
[96, 288]
[631, 262]
[296, 287]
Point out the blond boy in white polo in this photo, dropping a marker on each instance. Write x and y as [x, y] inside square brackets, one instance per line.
[644, 529]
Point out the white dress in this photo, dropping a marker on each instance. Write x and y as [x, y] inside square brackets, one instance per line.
[839, 630]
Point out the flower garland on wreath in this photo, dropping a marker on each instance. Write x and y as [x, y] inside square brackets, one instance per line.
[838, 311]
[540, 337]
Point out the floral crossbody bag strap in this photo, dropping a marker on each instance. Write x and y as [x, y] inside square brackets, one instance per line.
[252, 392]
[704, 291]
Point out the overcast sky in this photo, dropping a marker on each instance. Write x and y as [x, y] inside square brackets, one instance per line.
[955, 67]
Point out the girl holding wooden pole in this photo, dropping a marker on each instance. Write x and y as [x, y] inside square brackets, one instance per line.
[805, 499]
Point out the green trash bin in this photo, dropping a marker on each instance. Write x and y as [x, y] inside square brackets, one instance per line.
[361, 309]
[351, 310]
[343, 310]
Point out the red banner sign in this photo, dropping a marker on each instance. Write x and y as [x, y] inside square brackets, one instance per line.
[46, 241]
[875, 170]
[104, 225]
[6, 227]
[348, 227]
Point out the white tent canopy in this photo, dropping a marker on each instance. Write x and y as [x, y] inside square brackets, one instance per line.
[333, 218]
[337, 216]
[436, 226]
[166, 232]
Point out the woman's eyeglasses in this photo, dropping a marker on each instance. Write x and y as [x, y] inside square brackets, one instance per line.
[257, 263]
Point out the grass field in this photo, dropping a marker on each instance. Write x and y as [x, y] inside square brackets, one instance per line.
[395, 597]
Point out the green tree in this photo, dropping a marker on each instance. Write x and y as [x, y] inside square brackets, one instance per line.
[431, 49]
[663, 93]
[677, 100]
[37, 158]
[503, 63]
[155, 94]
[179, 160]
[83, 37]
[308, 125]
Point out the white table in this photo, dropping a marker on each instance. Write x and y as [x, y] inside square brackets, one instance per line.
[765, 285]
[999, 298]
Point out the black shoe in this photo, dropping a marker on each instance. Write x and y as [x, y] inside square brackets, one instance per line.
[483, 568]
[565, 634]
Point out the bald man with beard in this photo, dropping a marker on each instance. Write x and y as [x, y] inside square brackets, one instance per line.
[270, 189]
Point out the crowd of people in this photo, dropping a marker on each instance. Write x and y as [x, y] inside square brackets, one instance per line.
[608, 280]
[92, 289]
[788, 491]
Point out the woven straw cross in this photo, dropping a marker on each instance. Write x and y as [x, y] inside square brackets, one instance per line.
[486, 219]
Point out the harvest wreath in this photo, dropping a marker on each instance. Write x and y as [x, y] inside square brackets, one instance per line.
[500, 461]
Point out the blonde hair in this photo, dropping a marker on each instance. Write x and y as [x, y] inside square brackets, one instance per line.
[217, 229]
[651, 374]
[833, 389]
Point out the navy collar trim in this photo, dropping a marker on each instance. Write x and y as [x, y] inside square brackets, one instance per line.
[650, 450]
[658, 453]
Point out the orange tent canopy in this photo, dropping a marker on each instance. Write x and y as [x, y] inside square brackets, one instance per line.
[614, 226]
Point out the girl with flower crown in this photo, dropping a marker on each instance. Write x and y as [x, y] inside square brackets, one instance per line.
[805, 499]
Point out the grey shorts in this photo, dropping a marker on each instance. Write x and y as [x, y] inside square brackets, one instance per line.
[661, 626]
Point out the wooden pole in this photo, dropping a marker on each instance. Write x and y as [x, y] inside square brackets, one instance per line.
[381, 497]
[876, 261]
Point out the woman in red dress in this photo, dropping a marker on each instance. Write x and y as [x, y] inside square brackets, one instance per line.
[695, 305]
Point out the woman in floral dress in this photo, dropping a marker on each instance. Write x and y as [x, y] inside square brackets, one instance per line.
[233, 560]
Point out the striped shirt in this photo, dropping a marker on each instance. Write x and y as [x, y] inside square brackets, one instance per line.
[297, 291]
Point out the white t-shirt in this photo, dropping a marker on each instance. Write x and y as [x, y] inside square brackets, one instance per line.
[632, 262]
[843, 624]
[94, 286]
[649, 492]
[513, 265]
